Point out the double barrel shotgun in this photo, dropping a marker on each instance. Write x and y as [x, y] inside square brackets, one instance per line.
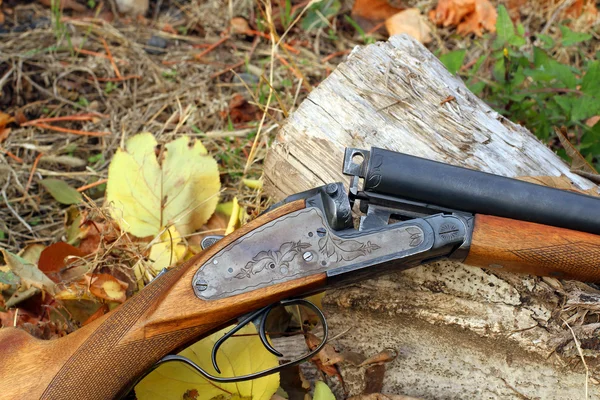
[413, 211]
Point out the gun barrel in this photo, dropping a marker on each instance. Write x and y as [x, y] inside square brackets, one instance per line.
[417, 179]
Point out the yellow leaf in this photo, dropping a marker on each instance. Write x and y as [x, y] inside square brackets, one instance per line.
[233, 220]
[239, 355]
[147, 194]
[253, 183]
[225, 208]
[169, 250]
[322, 392]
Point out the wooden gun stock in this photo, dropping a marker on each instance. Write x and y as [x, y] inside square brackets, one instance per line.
[529, 248]
[101, 360]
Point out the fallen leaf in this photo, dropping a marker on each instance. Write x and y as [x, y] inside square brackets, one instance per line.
[146, 195]
[234, 217]
[374, 378]
[54, 258]
[107, 287]
[322, 392]
[168, 251]
[29, 273]
[239, 25]
[61, 191]
[238, 356]
[374, 10]
[384, 356]
[589, 122]
[21, 295]
[253, 183]
[32, 253]
[5, 119]
[312, 341]
[240, 110]
[99, 312]
[469, 16]
[90, 236]
[578, 162]
[411, 22]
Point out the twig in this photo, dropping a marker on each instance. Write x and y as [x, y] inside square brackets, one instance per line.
[122, 78]
[67, 130]
[33, 167]
[78, 117]
[11, 155]
[110, 57]
[12, 210]
[335, 54]
[587, 371]
[558, 10]
[91, 185]
[212, 47]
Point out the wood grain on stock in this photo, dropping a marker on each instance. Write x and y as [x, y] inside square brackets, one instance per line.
[525, 247]
[101, 359]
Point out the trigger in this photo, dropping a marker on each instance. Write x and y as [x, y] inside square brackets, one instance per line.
[210, 240]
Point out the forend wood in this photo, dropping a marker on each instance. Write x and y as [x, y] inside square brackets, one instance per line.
[525, 247]
[102, 359]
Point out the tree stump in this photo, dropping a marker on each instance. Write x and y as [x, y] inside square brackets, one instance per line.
[461, 332]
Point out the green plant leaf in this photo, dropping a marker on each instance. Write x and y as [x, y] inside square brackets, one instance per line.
[61, 191]
[30, 274]
[322, 392]
[505, 29]
[9, 278]
[314, 15]
[239, 355]
[547, 40]
[591, 80]
[570, 38]
[453, 60]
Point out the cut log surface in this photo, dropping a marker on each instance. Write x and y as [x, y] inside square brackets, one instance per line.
[461, 332]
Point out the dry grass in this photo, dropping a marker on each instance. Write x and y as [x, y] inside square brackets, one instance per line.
[168, 94]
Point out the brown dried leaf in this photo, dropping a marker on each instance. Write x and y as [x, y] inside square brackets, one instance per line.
[4, 132]
[410, 22]
[374, 10]
[592, 120]
[470, 16]
[239, 25]
[107, 287]
[5, 119]
[384, 356]
[54, 258]
[99, 312]
[240, 110]
[578, 162]
[374, 378]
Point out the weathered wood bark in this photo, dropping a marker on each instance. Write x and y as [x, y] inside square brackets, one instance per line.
[461, 332]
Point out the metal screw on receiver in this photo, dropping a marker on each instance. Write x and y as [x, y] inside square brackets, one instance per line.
[308, 256]
[201, 285]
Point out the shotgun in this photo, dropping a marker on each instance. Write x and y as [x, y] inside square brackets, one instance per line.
[412, 211]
